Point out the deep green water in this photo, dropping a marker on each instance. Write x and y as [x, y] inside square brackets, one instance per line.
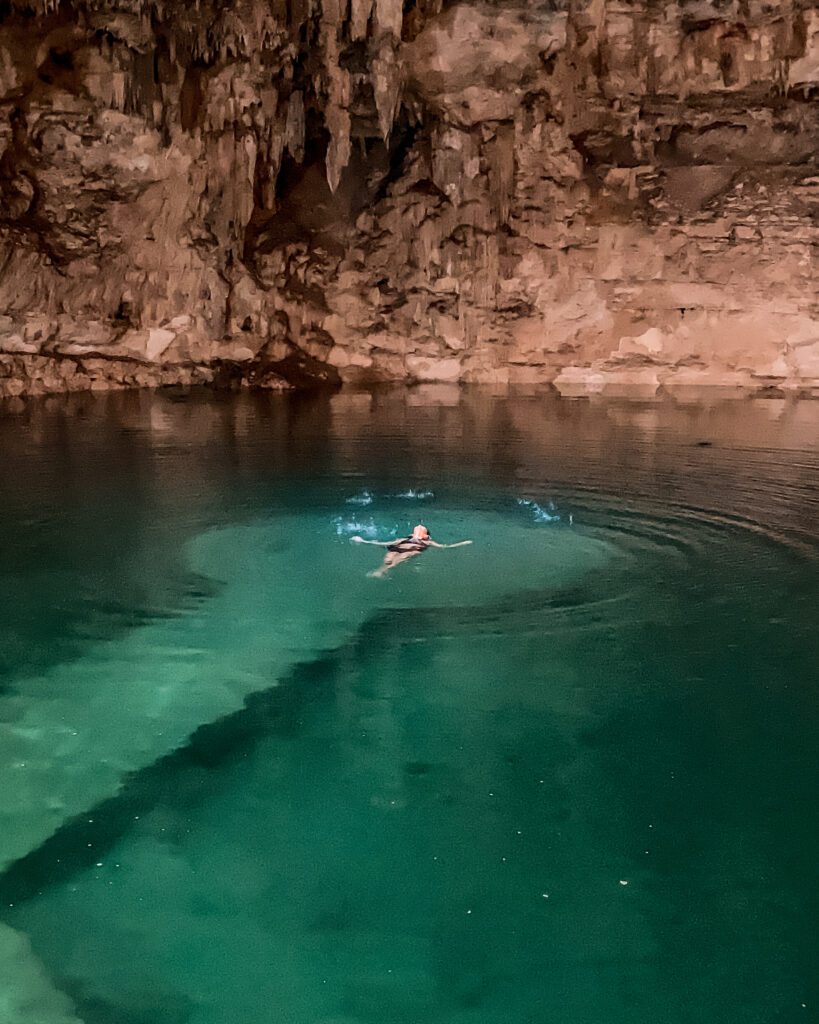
[568, 774]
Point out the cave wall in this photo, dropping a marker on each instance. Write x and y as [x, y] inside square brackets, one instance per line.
[617, 196]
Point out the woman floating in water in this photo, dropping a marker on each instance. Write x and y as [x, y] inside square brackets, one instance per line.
[408, 547]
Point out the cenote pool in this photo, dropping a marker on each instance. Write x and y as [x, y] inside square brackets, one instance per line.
[567, 774]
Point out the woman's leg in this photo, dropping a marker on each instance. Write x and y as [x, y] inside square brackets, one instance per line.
[391, 559]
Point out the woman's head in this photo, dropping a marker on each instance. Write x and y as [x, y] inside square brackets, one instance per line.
[420, 532]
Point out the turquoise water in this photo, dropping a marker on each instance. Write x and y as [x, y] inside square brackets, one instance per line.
[567, 773]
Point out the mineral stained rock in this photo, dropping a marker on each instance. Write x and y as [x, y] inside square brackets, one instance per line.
[616, 196]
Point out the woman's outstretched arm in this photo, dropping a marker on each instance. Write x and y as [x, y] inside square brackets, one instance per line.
[460, 544]
[378, 543]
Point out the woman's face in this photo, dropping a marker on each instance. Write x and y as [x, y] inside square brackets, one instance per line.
[421, 532]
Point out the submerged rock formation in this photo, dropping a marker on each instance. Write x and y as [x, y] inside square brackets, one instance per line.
[616, 196]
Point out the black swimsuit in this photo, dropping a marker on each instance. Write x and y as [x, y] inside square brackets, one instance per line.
[407, 544]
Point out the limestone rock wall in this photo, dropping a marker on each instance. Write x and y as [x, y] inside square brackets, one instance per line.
[611, 195]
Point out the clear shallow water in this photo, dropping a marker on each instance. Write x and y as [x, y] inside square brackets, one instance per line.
[240, 781]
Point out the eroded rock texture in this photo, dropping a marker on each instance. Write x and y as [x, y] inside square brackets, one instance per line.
[614, 195]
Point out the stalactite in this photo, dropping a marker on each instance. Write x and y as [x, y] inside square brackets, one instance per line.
[360, 11]
[389, 16]
[339, 94]
[270, 157]
[294, 126]
[339, 148]
[500, 156]
[386, 83]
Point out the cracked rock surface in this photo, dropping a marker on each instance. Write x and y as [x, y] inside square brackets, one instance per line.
[615, 196]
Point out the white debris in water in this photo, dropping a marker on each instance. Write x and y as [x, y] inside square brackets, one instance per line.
[363, 498]
[366, 497]
[623, 881]
[347, 527]
[538, 512]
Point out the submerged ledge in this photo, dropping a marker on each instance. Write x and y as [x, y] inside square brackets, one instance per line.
[30, 375]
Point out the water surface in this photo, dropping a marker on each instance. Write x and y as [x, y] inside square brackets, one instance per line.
[567, 773]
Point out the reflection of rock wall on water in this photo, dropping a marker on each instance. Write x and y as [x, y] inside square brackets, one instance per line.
[613, 196]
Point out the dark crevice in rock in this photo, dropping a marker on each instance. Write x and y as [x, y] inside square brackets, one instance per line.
[299, 369]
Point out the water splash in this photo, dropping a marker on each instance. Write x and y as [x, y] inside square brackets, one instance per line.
[349, 526]
[538, 512]
[416, 495]
[362, 498]
[346, 527]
